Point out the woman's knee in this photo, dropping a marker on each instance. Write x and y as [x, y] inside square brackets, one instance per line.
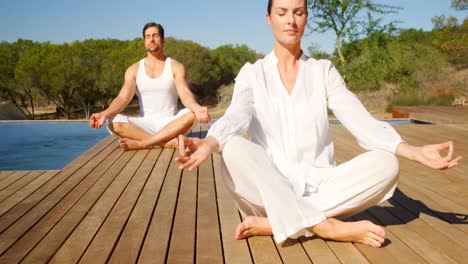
[389, 164]
[233, 151]
[240, 146]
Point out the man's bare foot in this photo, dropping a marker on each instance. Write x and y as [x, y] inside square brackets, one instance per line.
[253, 226]
[362, 231]
[130, 144]
[173, 143]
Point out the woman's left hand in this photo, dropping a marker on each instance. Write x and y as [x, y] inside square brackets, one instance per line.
[430, 156]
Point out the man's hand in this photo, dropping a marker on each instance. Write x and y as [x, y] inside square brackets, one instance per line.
[202, 114]
[194, 151]
[97, 120]
[429, 155]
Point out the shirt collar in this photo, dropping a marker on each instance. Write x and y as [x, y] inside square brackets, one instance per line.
[272, 57]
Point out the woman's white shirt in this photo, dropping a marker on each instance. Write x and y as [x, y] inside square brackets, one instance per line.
[294, 129]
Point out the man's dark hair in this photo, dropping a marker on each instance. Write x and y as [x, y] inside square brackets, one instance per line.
[270, 2]
[153, 24]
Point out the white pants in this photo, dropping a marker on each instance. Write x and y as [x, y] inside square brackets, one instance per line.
[151, 124]
[259, 189]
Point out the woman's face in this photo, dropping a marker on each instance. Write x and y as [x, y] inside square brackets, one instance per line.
[288, 19]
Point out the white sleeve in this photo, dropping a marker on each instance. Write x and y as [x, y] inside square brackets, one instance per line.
[236, 119]
[370, 133]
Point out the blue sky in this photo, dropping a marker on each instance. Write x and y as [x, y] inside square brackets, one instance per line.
[210, 23]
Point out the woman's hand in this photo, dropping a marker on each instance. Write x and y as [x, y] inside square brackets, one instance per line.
[430, 156]
[194, 151]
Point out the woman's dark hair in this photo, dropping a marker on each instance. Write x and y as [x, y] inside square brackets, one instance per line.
[270, 2]
[153, 24]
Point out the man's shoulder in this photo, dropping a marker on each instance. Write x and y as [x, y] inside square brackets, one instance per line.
[134, 67]
[176, 63]
[177, 67]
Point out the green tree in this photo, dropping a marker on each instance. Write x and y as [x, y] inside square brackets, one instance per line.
[316, 53]
[54, 70]
[11, 88]
[341, 16]
[201, 73]
[460, 4]
[230, 59]
[452, 39]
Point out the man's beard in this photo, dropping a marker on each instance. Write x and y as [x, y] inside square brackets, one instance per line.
[155, 48]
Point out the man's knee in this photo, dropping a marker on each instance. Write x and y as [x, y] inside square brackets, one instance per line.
[188, 118]
[117, 127]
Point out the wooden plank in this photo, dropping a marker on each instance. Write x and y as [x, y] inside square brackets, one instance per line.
[430, 234]
[425, 249]
[209, 248]
[291, 251]
[13, 230]
[346, 252]
[78, 241]
[393, 245]
[129, 244]
[48, 234]
[54, 189]
[441, 204]
[20, 195]
[181, 249]
[182, 242]
[235, 251]
[4, 174]
[13, 178]
[431, 218]
[418, 135]
[103, 243]
[374, 255]
[12, 188]
[157, 238]
[435, 114]
[318, 250]
[263, 250]
[443, 207]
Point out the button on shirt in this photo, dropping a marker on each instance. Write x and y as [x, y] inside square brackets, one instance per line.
[293, 129]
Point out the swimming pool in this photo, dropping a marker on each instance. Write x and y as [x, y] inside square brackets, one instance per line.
[44, 145]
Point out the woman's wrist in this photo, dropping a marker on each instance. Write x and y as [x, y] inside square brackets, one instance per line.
[212, 143]
[407, 151]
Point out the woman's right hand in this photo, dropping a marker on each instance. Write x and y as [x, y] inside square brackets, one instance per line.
[194, 151]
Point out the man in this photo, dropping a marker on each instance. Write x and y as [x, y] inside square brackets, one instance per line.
[285, 180]
[158, 81]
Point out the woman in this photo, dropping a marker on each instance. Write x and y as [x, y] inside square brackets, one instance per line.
[284, 180]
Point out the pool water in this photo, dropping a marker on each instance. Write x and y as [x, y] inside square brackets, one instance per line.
[45, 145]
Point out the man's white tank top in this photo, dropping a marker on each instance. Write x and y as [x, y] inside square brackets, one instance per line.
[158, 96]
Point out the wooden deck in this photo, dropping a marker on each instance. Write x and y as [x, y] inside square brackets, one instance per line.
[447, 115]
[136, 206]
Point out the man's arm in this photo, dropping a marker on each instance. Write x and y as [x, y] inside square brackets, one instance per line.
[97, 120]
[186, 96]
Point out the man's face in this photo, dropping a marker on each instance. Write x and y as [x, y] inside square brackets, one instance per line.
[153, 41]
[287, 20]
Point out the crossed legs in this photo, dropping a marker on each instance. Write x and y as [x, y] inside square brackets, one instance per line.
[260, 190]
[134, 137]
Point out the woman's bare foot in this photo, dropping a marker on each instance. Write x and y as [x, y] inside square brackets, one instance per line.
[130, 144]
[253, 226]
[362, 231]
